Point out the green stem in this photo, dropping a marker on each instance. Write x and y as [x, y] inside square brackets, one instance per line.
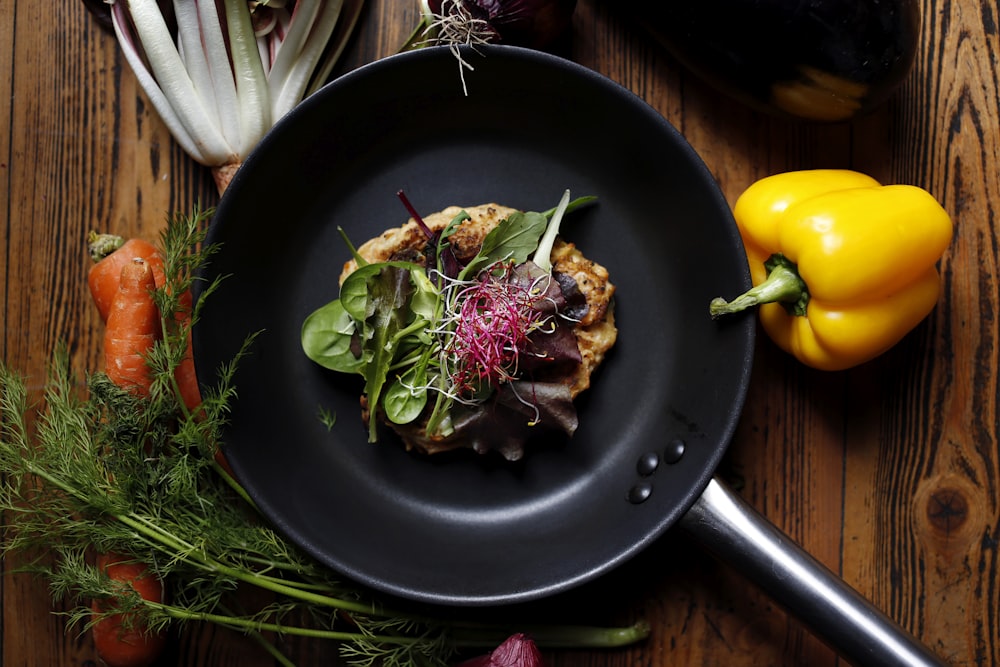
[418, 325]
[172, 545]
[272, 650]
[555, 636]
[461, 633]
[234, 485]
[417, 38]
[547, 636]
[262, 641]
[782, 285]
[197, 556]
[246, 624]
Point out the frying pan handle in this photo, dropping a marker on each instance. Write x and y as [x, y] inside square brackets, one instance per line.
[837, 614]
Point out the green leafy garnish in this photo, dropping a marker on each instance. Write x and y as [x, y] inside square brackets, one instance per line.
[400, 328]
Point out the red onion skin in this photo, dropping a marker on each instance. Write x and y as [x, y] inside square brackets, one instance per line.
[536, 24]
[518, 650]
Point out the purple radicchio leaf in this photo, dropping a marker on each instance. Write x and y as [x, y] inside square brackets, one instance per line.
[554, 344]
[517, 411]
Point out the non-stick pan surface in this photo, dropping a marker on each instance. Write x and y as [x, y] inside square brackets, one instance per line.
[466, 529]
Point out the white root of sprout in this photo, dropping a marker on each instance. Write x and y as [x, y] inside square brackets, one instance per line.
[454, 27]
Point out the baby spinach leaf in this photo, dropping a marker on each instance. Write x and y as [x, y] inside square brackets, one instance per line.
[354, 293]
[406, 398]
[327, 337]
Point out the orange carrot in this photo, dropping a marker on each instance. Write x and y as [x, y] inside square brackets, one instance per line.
[118, 645]
[111, 253]
[133, 328]
[187, 379]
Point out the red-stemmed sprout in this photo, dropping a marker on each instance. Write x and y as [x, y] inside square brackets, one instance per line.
[488, 325]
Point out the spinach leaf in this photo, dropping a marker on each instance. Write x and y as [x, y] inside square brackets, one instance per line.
[407, 396]
[328, 335]
[354, 293]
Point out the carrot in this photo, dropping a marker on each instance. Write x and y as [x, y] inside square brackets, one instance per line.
[110, 254]
[187, 378]
[122, 644]
[133, 328]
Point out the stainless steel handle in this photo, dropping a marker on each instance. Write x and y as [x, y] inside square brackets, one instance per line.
[837, 614]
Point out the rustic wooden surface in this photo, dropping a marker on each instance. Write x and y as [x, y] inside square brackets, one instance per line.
[888, 473]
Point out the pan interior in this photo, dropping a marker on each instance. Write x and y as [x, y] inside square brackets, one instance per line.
[465, 529]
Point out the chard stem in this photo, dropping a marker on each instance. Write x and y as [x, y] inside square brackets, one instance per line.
[147, 82]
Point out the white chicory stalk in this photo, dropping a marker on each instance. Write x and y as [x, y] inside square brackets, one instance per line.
[231, 68]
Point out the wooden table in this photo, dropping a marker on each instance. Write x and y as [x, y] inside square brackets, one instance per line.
[888, 473]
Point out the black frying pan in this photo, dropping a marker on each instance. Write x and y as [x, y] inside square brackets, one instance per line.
[475, 530]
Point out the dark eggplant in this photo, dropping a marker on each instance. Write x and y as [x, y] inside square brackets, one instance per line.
[821, 60]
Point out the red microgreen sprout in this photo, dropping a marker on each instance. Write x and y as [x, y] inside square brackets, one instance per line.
[487, 326]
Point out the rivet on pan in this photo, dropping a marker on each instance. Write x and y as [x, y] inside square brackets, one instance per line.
[674, 451]
[640, 492]
[647, 463]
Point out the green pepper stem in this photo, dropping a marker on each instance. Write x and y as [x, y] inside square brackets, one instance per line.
[782, 285]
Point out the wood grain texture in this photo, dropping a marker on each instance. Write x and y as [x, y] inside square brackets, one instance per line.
[888, 473]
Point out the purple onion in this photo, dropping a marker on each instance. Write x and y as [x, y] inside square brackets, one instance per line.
[518, 650]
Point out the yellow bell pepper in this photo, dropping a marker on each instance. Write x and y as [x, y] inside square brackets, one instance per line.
[842, 266]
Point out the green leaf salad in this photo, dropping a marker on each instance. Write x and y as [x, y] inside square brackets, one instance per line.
[448, 346]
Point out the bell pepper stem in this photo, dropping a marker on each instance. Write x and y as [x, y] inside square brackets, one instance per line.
[782, 285]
